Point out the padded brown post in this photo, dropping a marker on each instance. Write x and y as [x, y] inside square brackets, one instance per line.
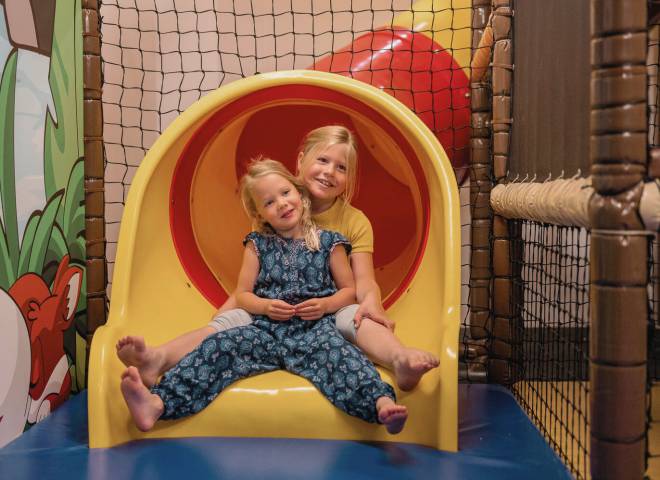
[619, 247]
[94, 170]
[480, 186]
[500, 366]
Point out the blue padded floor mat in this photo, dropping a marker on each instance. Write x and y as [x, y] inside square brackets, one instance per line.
[496, 441]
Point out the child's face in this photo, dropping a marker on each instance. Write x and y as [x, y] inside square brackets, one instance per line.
[278, 203]
[324, 175]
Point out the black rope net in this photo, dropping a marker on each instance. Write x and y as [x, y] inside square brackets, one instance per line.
[551, 332]
[161, 56]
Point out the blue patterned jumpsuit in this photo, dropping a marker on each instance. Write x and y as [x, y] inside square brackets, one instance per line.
[314, 350]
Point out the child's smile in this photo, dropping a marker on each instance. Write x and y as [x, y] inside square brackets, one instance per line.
[325, 183]
[288, 213]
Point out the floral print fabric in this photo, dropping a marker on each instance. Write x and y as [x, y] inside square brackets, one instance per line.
[312, 349]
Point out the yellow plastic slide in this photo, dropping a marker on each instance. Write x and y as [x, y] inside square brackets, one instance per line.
[180, 247]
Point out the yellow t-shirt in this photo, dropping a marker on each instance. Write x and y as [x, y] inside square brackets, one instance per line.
[351, 223]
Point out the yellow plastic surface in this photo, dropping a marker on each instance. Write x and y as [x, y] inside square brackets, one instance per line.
[152, 295]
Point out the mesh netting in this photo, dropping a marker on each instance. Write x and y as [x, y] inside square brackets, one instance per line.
[551, 265]
[160, 57]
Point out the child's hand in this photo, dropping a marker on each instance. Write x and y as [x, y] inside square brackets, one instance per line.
[372, 312]
[279, 310]
[311, 309]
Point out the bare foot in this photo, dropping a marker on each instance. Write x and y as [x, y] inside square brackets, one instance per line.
[133, 352]
[391, 415]
[145, 407]
[410, 365]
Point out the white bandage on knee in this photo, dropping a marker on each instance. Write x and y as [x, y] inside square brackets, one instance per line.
[230, 319]
[344, 320]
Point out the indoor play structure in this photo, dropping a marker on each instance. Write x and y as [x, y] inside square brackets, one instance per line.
[509, 164]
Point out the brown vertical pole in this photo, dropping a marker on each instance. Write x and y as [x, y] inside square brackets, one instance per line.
[480, 186]
[500, 365]
[619, 247]
[94, 170]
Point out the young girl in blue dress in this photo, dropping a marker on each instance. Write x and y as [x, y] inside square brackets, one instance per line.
[286, 262]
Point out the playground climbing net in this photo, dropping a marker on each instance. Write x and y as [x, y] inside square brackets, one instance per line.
[161, 56]
[551, 331]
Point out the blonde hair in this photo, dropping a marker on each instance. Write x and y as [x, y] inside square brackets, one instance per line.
[259, 168]
[324, 137]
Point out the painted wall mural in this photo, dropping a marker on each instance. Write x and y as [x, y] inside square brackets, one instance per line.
[42, 216]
